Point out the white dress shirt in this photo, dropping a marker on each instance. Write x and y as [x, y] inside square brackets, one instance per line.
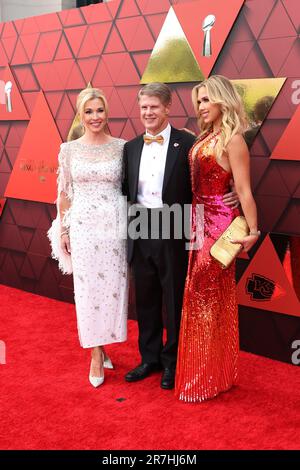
[152, 170]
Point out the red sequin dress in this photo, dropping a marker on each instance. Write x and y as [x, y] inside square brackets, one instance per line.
[209, 341]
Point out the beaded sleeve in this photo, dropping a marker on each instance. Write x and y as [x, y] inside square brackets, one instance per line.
[64, 184]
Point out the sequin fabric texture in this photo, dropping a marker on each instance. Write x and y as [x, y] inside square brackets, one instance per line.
[91, 177]
[208, 351]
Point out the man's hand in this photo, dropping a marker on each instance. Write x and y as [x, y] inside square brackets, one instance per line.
[188, 130]
[231, 199]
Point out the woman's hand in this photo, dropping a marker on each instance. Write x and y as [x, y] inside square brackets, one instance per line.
[246, 242]
[65, 244]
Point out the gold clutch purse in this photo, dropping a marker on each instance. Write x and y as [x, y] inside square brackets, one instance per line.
[222, 250]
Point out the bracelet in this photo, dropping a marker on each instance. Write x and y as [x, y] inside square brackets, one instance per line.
[257, 233]
[64, 233]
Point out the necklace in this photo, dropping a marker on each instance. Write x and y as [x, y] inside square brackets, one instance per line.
[211, 134]
[209, 141]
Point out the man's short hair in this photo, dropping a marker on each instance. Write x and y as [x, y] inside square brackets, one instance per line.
[160, 90]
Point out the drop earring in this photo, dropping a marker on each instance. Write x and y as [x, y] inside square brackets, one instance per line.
[106, 128]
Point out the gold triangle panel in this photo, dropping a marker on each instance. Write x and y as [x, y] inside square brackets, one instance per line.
[172, 59]
[258, 97]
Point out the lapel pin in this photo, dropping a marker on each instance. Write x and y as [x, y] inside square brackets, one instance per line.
[176, 144]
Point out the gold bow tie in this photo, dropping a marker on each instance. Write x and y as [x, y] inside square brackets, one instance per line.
[148, 139]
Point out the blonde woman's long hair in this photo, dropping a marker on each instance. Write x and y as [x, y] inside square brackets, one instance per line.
[221, 91]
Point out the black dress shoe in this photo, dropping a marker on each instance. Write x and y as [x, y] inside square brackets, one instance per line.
[168, 379]
[141, 372]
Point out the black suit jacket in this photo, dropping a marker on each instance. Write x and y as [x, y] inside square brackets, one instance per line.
[177, 182]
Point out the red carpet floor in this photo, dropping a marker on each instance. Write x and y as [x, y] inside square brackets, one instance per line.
[46, 401]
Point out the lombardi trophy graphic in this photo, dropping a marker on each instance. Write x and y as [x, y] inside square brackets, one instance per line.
[207, 25]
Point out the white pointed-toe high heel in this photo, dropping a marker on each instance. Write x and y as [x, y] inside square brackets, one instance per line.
[97, 381]
[107, 364]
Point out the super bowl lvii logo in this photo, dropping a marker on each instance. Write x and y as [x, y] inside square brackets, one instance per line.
[207, 25]
[5, 94]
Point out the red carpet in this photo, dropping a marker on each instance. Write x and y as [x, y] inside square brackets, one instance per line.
[46, 401]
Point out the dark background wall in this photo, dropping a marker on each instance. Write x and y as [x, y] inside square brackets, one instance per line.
[83, 3]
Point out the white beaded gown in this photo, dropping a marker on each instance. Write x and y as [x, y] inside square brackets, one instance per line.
[91, 177]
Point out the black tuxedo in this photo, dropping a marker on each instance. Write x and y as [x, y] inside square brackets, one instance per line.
[159, 265]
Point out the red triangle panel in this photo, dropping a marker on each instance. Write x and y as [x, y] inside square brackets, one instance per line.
[128, 8]
[114, 43]
[257, 14]
[292, 7]
[63, 51]
[34, 174]
[150, 7]
[88, 67]
[278, 24]
[75, 37]
[20, 56]
[265, 285]
[94, 39]
[2, 204]
[276, 51]
[47, 45]
[30, 42]
[96, 13]
[288, 146]
[225, 18]
[49, 22]
[71, 17]
[135, 34]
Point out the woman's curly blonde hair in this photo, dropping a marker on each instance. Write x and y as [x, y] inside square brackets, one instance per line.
[221, 91]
